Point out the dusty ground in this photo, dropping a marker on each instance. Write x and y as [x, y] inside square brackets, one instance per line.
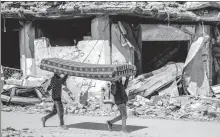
[30, 125]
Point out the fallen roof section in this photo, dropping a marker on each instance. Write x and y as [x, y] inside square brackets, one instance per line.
[191, 6]
[167, 11]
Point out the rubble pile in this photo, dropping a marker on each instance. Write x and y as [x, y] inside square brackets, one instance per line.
[164, 107]
[11, 132]
[183, 107]
[23, 90]
[152, 95]
[163, 81]
[94, 107]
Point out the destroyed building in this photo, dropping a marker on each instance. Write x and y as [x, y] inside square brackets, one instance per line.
[147, 34]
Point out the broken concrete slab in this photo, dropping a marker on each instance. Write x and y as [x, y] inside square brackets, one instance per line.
[24, 100]
[216, 89]
[199, 107]
[156, 99]
[12, 81]
[33, 81]
[141, 100]
[8, 86]
[210, 100]
[217, 96]
[5, 98]
[21, 95]
[154, 83]
[194, 66]
[171, 90]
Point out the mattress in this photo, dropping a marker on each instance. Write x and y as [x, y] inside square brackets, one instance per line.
[92, 71]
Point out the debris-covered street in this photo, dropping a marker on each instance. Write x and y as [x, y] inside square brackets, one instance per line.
[180, 108]
[93, 126]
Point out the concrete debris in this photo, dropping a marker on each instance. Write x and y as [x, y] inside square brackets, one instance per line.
[6, 109]
[148, 9]
[29, 90]
[216, 90]
[8, 132]
[167, 105]
[161, 81]
[156, 99]
[29, 81]
[11, 132]
[22, 95]
[43, 6]
[141, 100]
[12, 81]
[33, 81]
[183, 107]
[171, 89]
[11, 73]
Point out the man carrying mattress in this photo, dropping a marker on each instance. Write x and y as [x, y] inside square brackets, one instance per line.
[121, 98]
[56, 86]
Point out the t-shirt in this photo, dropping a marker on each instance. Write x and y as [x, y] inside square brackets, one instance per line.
[56, 86]
[120, 95]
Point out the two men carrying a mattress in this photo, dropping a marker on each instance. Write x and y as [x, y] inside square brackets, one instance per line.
[117, 90]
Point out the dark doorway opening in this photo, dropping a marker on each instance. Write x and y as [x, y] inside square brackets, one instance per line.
[156, 54]
[10, 51]
[64, 32]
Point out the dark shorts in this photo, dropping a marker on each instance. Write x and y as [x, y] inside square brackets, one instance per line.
[123, 110]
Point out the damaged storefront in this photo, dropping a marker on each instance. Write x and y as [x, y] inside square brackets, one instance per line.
[171, 49]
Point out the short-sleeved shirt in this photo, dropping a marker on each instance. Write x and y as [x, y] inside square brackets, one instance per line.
[56, 86]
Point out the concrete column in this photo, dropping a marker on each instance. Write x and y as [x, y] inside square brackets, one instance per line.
[100, 31]
[208, 56]
[100, 28]
[27, 36]
[22, 50]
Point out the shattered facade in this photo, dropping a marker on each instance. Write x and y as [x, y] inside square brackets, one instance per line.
[117, 32]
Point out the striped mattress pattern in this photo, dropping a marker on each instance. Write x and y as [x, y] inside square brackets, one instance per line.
[93, 71]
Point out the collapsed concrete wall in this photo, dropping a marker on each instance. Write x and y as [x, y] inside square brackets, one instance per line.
[197, 68]
[100, 44]
[89, 51]
[96, 51]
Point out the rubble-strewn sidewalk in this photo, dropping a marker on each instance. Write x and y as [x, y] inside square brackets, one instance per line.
[146, 99]
[182, 108]
[29, 125]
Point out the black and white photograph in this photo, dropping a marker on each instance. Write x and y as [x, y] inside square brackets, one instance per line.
[110, 69]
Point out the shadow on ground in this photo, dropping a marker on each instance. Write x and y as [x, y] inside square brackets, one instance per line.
[101, 126]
